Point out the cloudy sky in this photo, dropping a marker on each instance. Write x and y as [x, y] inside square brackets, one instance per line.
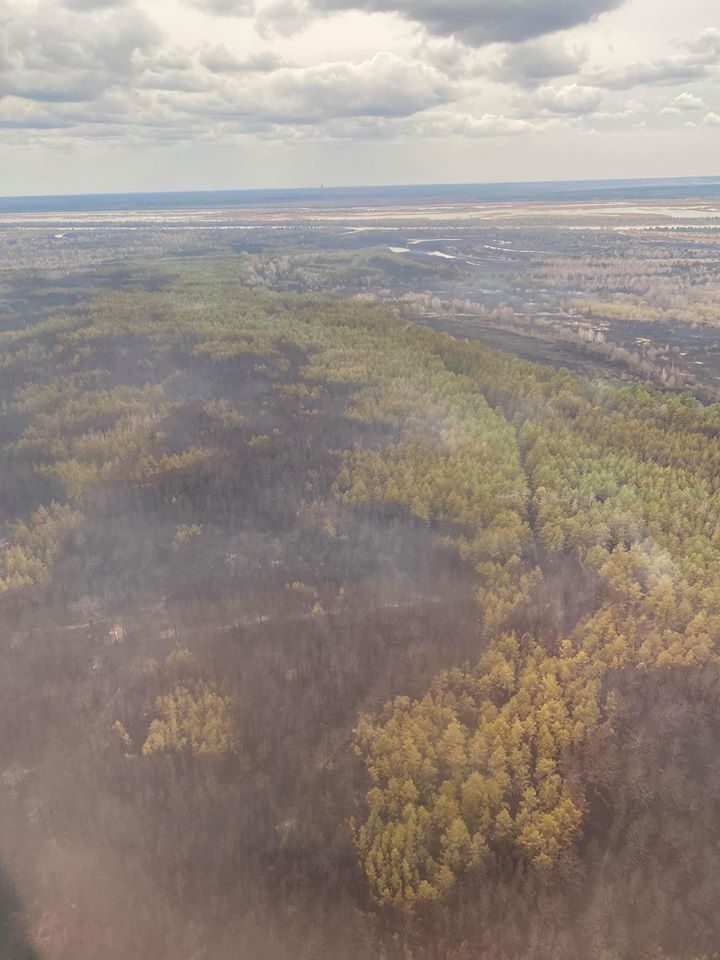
[103, 95]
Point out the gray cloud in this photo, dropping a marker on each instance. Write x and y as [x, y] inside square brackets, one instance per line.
[695, 62]
[707, 46]
[183, 72]
[370, 100]
[224, 8]
[535, 62]
[479, 22]
[283, 18]
[56, 55]
[667, 71]
[449, 55]
[182, 81]
[89, 5]
[220, 60]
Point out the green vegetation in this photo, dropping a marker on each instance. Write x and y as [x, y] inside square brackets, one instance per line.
[196, 720]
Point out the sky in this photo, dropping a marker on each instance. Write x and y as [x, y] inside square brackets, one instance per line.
[125, 95]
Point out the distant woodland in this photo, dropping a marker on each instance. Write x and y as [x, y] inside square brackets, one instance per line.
[328, 636]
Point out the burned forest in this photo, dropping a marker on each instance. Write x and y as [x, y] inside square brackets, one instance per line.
[351, 611]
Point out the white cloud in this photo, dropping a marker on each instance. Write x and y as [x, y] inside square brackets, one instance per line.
[711, 120]
[385, 86]
[573, 99]
[683, 102]
[453, 123]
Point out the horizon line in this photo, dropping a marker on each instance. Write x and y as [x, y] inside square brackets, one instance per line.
[322, 188]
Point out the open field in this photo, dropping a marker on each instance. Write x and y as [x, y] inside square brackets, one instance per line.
[626, 289]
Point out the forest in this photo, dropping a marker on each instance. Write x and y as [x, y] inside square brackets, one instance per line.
[327, 635]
